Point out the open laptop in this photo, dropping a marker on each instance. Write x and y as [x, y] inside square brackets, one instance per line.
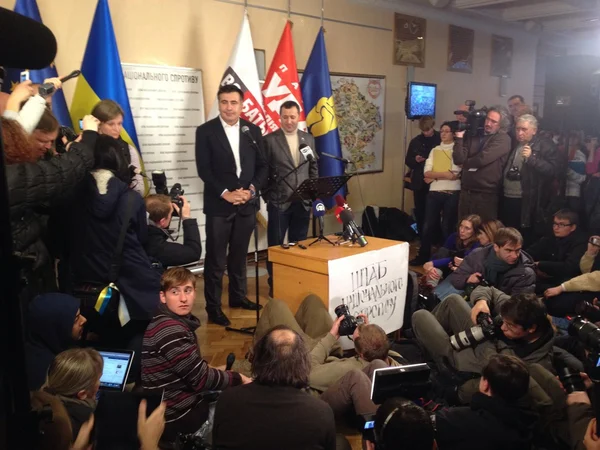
[116, 369]
[409, 381]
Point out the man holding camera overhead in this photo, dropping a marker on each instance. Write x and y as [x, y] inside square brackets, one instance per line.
[482, 158]
[531, 167]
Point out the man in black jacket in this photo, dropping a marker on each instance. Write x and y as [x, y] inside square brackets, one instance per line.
[492, 420]
[418, 151]
[532, 165]
[230, 161]
[160, 210]
[557, 257]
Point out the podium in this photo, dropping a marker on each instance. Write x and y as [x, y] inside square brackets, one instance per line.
[298, 273]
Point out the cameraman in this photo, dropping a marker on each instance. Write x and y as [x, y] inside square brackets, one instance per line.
[160, 210]
[483, 159]
[528, 176]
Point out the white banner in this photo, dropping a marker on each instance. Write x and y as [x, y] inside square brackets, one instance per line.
[372, 283]
[167, 105]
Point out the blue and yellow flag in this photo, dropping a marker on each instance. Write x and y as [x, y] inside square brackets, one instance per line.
[29, 8]
[320, 118]
[101, 74]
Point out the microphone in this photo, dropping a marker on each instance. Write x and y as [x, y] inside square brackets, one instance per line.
[27, 43]
[230, 361]
[307, 152]
[344, 160]
[338, 210]
[47, 89]
[318, 210]
[341, 201]
[246, 132]
[348, 221]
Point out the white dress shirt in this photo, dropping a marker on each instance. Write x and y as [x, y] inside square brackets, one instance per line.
[233, 136]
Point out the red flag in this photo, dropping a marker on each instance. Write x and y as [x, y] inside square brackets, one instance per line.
[281, 83]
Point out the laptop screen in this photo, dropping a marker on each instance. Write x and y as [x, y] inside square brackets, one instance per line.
[116, 369]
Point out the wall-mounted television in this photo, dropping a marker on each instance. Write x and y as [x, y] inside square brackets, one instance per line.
[420, 100]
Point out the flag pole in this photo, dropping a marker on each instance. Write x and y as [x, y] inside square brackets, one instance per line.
[322, 11]
[289, 9]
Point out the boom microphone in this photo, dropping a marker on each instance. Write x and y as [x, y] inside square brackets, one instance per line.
[307, 152]
[337, 158]
[26, 43]
[348, 221]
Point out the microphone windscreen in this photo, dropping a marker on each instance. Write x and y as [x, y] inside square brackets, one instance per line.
[340, 200]
[26, 43]
[338, 211]
[303, 145]
[245, 129]
[318, 208]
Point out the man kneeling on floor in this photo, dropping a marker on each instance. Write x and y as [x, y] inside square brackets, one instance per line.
[171, 359]
[343, 383]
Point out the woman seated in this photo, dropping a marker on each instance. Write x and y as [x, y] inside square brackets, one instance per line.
[74, 377]
[487, 231]
[458, 245]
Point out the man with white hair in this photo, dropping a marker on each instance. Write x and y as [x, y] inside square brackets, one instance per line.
[532, 164]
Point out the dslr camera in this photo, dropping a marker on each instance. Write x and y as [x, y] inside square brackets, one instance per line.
[486, 328]
[514, 174]
[159, 179]
[349, 324]
[474, 125]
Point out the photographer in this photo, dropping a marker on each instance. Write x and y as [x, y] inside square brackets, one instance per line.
[483, 159]
[532, 165]
[418, 152]
[160, 210]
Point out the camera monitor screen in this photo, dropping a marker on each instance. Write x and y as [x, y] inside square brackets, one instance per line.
[420, 101]
[409, 381]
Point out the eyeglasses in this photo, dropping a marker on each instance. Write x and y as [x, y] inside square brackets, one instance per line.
[561, 225]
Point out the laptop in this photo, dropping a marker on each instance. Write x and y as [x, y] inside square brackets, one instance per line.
[116, 369]
[410, 381]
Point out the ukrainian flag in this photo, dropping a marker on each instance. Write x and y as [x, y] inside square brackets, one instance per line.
[320, 119]
[101, 75]
[29, 8]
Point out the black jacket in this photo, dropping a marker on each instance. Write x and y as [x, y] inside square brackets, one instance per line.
[559, 257]
[35, 189]
[591, 203]
[95, 230]
[488, 423]
[519, 279]
[49, 324]
[420, 145]
[216, 166]
[537, 174]
[161, 248]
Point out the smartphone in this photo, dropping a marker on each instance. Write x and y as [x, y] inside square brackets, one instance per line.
[368, 431]
[24, 75]
[81, 124]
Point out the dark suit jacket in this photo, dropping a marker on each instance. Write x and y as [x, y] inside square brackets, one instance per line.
[280, 161]
[216, 166]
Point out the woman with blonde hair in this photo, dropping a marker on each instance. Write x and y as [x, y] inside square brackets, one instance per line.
[110, 114]
[74, 377]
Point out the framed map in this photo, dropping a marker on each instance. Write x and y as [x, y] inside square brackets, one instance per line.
[360, 106]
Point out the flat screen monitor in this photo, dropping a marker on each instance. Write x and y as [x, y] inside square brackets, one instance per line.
[420, 100]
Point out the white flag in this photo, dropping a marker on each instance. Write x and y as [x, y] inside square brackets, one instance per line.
[242, 71]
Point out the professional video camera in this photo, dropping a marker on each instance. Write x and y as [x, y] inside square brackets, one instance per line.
[160, 185]
[349, 324]
[474, 126]
[486, 328]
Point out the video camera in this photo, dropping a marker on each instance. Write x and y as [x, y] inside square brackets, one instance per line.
[159, 179]
[349, 324]
[474, 126]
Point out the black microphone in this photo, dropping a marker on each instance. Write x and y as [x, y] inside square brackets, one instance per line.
[246, 132]
[230, 361]
[26, 43]
[47, 89]
[319, 210]
[348, 221]
[307, 152]
[344, 160]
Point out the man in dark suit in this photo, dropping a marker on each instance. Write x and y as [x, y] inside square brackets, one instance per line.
[282, 150]
[233, 170]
